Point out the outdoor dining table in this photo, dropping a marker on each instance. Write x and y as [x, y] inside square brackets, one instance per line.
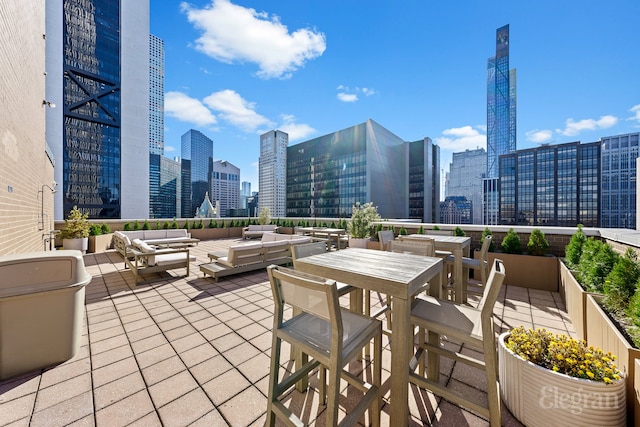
[324, 233]
[459, 246]
[398, 275]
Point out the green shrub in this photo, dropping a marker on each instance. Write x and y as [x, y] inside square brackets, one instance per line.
[511, 243]
[435, 227]
[145, 225]
[620, 283]
[403, 231]
[537, 245]
[222, 224]
[186, 225]
[573, 250]
[166, 225]
[76, 226]
[95, 230]
[596, 262]
[127, 227]
[459, 232]
[105, 228]
[264, 217]
[136, 225]
[174, 224]
[421, 230]
[486, 232]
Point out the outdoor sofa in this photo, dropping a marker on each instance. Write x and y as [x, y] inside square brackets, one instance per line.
[145, 259]
[122, 240]
[258, 230]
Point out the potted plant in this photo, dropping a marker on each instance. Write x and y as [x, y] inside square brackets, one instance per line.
[99, 238]
[360, 226]
[550, 379]
[75, 233]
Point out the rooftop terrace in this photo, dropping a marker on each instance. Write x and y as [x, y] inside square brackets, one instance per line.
[185, 351]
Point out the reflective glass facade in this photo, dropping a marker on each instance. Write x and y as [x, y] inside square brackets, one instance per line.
[551, 185]
[198, 150]
[91, 139]
[619, 154]
[165, 187]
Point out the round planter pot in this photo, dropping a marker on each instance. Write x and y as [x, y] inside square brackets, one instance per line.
[358, 243]
[537, 396]
[78, 244]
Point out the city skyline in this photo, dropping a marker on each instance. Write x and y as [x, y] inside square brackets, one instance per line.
[310, 69]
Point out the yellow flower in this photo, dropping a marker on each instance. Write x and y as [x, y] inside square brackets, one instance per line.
[590, 374]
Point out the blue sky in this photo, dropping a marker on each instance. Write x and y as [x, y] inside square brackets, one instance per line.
[235, 69]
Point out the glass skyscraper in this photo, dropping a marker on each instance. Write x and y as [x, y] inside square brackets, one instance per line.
[272, 172]
[501, 121]
[619, 154]
[197, 167]
[551, 185]
[156, 95]
[97, 63]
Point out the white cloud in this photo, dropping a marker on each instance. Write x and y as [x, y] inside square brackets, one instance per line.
[232, 33]
[368, 91]
[462, 138]
[296, 131]
[236, 110]
[347, 97]
[169, 148]
[635, 110]
[186, 109]
[539, 136]
[573, 128]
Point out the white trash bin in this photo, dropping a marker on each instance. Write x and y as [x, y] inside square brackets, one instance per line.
[41, 309]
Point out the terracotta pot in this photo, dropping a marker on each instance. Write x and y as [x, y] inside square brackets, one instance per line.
[537, 396]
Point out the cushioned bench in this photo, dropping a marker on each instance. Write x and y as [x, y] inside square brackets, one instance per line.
[258, 230]
[179, 236]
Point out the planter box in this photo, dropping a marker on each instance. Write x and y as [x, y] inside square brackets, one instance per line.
[537, 396]
[528, 271]
[100, 243]
[575, 300]
[372, 244]
[235, 231]
[286, 230]
[603, 333]
[209, 233]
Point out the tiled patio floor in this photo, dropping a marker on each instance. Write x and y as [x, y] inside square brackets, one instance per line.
[185, 351]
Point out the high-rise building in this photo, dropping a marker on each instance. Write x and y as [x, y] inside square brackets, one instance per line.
[619, 154]
[501, 119]
[327, 175]
[165, 187]
[226, 186]
[424, 177]
[551, 185]
[98, 67]
[456, 210]
[272, 172]
[467, 171]
[197, 170]
[156, 95]
[245, 193]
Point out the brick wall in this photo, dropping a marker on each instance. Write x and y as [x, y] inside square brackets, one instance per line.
[24, 165]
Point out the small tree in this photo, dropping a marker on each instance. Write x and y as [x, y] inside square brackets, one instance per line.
[486, 232]
[573, 250]
[511, 243]
[174, 224]
[76, 226]
[145, 225]
[95, 230]
[596, 261]
[105, 229]
[264, 217]
[361, 218]
[127, 226]
[421, 230]
[403, 231]
[459, 232]
[136, 225]
[537, 245]
[186, 225]
[166, 225]
[620, 284]
[436, 227]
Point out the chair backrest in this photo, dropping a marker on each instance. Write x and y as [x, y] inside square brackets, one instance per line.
[306, 293]
[424, 246]
[385, 236]
[484, 250]
[490, 293]
[307, 249]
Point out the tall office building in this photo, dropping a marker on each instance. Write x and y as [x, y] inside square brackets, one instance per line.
[619, 154]
[456, 210]
[165, 187]
[327, 175]
[226, 186]
[245, 193]
[156, 95]
[551, 185]
[197, 170]
[424, 180]
[501, 119]
[272, 172]
[467, 171]
[98, 67]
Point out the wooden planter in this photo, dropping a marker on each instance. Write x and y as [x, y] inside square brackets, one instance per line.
[100, 243]
[235, 231]
[602, 332]
[575, 300]
[540, 397]
[528, 271]
[286, 230]
[209, 233]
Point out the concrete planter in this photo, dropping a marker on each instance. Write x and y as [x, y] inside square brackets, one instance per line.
[537, 396]
[235, 231]
[358, 243]
[602, 332]
[528, 271]
[100, 243]
[209, 233]
[81, 244]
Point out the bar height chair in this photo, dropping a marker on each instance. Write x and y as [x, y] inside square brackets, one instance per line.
[331, 335]
[480, 264]
[470, 326]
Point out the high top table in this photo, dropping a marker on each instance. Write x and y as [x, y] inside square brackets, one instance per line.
[324, 234]
[398, 275]
[459, 246]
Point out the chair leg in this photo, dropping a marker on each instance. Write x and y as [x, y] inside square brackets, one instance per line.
[377, 380]
[322, 386]
[333, 394]
[493, 389]
[273, 380]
